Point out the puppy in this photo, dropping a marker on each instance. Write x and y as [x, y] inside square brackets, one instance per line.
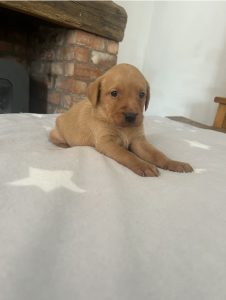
[111, 120]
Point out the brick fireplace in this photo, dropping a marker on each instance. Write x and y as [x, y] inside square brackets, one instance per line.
[60, 61]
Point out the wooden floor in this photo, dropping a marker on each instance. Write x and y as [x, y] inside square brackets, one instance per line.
[193, 123]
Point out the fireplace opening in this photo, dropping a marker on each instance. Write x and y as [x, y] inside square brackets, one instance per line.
[14, 87]
[46, 66]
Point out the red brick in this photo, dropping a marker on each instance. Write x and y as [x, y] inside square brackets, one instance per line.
[69, 69]
[82, 54]
[112, 47]
[67, 101]
[60, 37]
[57, 68]
[59, 54]
[51, 108]
[59, 110]
[78, 97]
[103, 59]
[71, 37]
[89, 40]
[68, 53]
[54, 98]
[71, 85]
[85, 72]
[50, 81]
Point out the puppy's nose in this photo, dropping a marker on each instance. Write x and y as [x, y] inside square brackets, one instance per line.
[130, 117]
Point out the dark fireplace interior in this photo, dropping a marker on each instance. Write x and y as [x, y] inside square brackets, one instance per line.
[20, 89]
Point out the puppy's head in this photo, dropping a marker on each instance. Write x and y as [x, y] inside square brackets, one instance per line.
[120, 96]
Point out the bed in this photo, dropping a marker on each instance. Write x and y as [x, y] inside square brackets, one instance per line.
[75, 224]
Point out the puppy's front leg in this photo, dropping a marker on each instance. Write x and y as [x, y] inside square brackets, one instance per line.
[149, 153]
[117, 152]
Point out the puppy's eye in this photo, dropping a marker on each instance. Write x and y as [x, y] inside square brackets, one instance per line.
[114, 93]
[142, 95]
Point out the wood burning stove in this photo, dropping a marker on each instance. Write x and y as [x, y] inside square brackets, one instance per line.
[14, 87]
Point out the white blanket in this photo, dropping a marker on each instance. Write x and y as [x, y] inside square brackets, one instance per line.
[76, 225]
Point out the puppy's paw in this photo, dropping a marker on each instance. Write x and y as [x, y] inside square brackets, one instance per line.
[146, 170]
[177, 166]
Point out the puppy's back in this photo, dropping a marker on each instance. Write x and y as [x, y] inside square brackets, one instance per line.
[73, 124]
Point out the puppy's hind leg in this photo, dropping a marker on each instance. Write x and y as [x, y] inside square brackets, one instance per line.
[56, 139]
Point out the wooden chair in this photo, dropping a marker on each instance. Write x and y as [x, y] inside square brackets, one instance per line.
[220, 118]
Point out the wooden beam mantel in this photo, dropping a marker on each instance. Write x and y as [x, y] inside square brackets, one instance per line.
[104, 18]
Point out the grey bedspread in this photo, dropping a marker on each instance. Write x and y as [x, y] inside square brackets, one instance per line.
[76, 225]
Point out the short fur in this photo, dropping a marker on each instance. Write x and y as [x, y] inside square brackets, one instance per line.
[111, 120]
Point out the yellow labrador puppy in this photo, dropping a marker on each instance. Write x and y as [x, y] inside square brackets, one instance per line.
[111, 120]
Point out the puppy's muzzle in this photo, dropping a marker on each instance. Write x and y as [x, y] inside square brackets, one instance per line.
[130, 117]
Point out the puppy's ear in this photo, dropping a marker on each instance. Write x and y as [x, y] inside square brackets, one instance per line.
[93, 91]
[148, 96]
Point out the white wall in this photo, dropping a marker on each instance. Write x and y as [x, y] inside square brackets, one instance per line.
[181, 49]
[132, 48]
